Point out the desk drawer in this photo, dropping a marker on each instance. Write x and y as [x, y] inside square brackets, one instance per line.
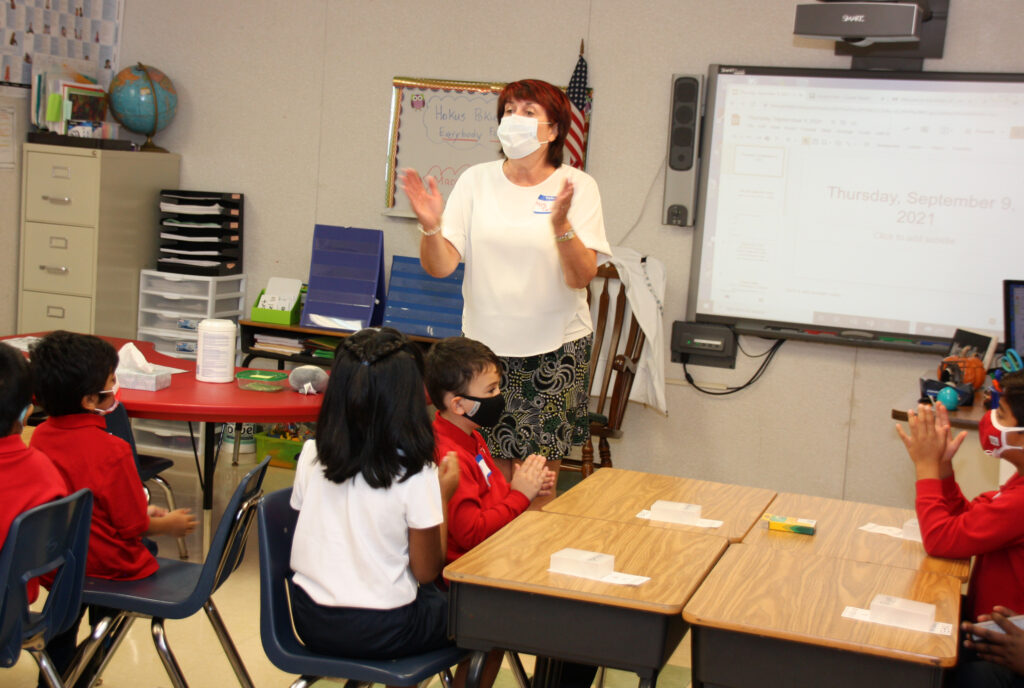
[41, 312]
[182, 343]
[59, 258]
[63, 189]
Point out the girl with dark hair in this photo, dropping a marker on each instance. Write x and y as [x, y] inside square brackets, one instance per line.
[531, 232]
[370, 537]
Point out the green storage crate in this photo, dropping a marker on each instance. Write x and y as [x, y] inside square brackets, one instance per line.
[266, 315]
[283, 453]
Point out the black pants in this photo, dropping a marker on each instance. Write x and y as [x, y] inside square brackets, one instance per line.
[415, 628]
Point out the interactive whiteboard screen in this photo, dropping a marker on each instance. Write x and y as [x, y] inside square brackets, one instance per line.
[875, 204]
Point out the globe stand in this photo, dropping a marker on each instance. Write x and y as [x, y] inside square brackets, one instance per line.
[151, 147]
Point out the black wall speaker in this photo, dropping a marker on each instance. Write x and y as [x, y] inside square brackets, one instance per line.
[683, 149]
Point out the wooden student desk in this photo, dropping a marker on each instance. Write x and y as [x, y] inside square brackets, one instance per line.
[503, 596]
[618, 495]
[769, 618]
[838, 535]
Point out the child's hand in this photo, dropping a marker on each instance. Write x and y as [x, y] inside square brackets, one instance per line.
[177, 523]
[528, 477]
[548, 485]
[155, 511]
[929, 443]
[448, 475]
[1002, 648]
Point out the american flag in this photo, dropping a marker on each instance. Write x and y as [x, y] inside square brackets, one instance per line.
[579, 125]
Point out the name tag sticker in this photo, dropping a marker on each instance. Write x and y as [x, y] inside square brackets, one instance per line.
[484, 468]
[543, 205]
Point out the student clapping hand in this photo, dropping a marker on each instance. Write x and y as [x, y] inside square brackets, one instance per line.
[533, 476]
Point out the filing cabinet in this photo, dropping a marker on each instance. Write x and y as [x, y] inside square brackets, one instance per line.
[89, 223]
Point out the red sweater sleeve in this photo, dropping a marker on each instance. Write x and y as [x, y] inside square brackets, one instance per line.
[478, 510]
[955, 528]
[124, 499]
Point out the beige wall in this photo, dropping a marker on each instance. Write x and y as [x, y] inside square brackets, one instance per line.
[289, 101]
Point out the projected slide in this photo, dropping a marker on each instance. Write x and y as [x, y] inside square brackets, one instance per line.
[890, 205]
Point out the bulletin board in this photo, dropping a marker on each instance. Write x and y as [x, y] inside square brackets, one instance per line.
[439, 128]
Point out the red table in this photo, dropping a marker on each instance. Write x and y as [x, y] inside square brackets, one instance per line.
[211, 402]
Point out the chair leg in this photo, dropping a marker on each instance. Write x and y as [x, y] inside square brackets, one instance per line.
[110, 630]
[446, 678]
[166, 656]
[225, 641]
[305, 681]
[518, 671]
[605, 452]
[599, 681]
[171, 506]
[46, 667]
[587, 457]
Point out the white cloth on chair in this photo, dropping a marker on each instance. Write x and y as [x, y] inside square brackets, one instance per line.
[644, 280]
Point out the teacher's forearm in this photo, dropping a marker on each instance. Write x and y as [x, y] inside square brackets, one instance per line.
[579, 263]
[437, 255]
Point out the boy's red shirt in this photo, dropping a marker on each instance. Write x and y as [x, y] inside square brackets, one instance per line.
[483, 502]
[88, 456]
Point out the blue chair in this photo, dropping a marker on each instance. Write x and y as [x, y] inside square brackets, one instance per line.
[179, 589]
[150, 467]
[283, 648]
[55, 534]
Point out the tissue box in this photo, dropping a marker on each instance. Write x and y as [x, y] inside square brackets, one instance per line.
[897, 611]
[149, 382]
[675, 512]
[580, 562]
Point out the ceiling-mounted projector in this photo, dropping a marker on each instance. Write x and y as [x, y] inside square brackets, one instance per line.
[862, 23]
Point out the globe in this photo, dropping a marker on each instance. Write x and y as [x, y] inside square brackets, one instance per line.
[143, 99]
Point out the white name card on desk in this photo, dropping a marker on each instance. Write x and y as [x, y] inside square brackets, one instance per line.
[678, 512]
[593, 565]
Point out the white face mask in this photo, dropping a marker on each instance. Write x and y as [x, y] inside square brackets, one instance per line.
[113, 390]
[518, 136]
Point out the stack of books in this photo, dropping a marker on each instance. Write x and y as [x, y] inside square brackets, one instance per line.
[277, 344]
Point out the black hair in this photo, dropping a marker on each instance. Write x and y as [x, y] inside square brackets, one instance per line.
[1011, 388]
[15, 386]
[67, 366]
[374, 421]
[452, 364]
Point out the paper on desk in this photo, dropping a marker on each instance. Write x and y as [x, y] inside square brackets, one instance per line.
[701, 523]
[857, 614]
[892, 531]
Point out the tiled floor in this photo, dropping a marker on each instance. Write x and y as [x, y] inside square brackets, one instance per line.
[193, 641]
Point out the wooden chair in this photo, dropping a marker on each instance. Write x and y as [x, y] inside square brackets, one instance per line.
[622, 353]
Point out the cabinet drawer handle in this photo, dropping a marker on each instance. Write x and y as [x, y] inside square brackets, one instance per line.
[55, 312]
[58, 200]
[55, 269]
[58, 242]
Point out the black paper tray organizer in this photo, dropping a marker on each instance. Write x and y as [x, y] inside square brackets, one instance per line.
[201, 232]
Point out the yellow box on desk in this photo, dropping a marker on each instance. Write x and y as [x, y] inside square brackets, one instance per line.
[283, 453]
[789, 524]
[267, 315]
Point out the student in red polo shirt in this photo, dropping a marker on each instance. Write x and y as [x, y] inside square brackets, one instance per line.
[75, 384]
[27, 477]
[463, 379]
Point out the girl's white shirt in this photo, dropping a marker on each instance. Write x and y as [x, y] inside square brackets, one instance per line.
[351, 544]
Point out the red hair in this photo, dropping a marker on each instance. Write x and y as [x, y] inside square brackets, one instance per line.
[552, 99]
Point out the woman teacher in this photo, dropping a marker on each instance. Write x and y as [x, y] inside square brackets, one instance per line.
[531, 233]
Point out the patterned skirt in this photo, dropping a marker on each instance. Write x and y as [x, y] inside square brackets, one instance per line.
[545, 403]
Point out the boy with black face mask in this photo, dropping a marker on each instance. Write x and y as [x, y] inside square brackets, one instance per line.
[463, 379]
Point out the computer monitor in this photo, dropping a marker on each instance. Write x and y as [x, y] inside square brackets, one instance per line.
[1013, 313]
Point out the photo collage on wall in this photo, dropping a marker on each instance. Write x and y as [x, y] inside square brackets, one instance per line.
[34, 33]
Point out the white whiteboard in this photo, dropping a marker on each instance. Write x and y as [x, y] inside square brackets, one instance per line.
[439, 128]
